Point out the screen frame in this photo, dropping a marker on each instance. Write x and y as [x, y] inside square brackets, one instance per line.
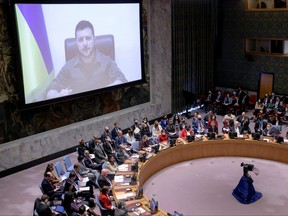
[22, 103]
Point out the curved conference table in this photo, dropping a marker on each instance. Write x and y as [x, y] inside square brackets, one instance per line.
[211, 148]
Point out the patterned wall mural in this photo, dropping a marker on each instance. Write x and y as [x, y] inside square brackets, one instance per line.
[234, 68]
[16, 123]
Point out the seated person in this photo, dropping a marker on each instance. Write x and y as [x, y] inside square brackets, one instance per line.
[130, 136]
[147, 142]
[111, 165]
[172, 130]
[120, 140]
[226, 127]
[122, 155]
[163, 140]
[212, 124]
[71, 205]
[187, 131]
[103, 179]
[199, 126]
[106, 201]
[82, 147]
[72, 186]
[108, 146]
[99, 152]
[43, 208]
[271, 130]
[156, 129]
[82, 175]
[260, 125]
[49, 169]
[144, 130]
[236, 128]
[89, 163]
[49, 189]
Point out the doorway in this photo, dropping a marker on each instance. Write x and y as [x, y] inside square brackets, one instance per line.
[265, 84]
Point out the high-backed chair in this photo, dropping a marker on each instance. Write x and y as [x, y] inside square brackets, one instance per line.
[104, 43]
[68, 164]
[60, 170]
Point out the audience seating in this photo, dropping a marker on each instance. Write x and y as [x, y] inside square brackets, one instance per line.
[68, 164]
[60, 171]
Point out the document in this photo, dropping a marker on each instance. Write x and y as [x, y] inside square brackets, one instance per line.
[123, 167]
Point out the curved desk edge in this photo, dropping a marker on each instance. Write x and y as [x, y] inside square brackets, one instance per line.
[217, 148]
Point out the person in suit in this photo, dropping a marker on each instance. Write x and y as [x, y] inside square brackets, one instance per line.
[49, 189]
[43, 209]
[199, 125]
[271, 131]
[105, 134]
[114, 131]
[81, 148]
[72, 186]
[120, 140]
[99, 152]
[244, 121]
[89, 163]
[103, 179]
[108, 146]
[260, 125]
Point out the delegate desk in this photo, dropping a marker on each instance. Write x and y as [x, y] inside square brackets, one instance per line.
[206, 149]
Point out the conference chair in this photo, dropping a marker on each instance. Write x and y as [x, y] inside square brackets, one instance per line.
[68, 164]
[104, 43]
[60, 170]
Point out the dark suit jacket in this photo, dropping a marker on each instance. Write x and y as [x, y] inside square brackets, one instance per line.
[47, 187]
[102, 182]
[273, 131]
[44, 210]
[100, 154]
[89, 164]
[257, 127]
[114, 132]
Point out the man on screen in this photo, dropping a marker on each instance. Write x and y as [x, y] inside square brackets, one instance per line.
[89, 70]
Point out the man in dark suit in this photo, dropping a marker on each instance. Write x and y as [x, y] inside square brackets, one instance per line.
[72, 186]
[49, 189]
[103, 179]
[114, 131]
[43, 209]
[260, 125]
[271, 131]
[99, 152]
[89, 163]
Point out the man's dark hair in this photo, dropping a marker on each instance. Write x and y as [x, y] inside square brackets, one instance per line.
[82, 209]
[82, 25]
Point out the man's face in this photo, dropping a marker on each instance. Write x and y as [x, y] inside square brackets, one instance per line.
[85, 42]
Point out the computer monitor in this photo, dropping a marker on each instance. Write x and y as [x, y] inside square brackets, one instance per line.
[153, 206]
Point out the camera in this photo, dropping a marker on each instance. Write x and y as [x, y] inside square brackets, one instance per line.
[248, 167]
